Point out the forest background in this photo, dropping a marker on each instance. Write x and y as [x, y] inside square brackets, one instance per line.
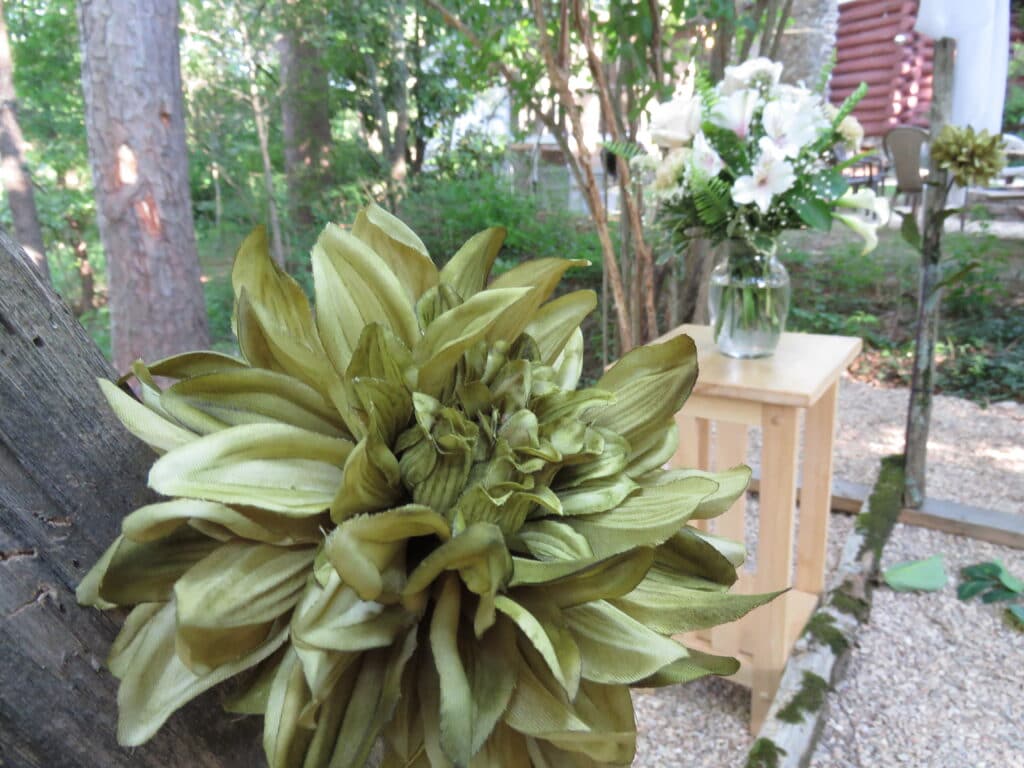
[296, 114]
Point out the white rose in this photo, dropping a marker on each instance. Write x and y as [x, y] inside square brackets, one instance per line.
[674, 123]
[670, 171]
[744, 75]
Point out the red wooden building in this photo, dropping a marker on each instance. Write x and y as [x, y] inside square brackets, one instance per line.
[876, 44]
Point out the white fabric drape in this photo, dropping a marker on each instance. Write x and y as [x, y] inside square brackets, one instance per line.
[981, 29]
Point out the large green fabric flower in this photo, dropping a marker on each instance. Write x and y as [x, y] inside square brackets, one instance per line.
[402, 521]
[971, 158]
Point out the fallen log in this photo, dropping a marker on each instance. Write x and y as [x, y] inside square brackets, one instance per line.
[68, 474]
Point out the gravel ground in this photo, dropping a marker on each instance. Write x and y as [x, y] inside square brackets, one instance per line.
[932, 681]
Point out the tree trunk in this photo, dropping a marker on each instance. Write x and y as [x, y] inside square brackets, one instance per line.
[580, 164]
[807, 44]
[919, 414]
[259, 113]
[697, 266]
[86, 283]
[131, 80]
[13, 168]
[69, 473]
[400, 140]
[305, 124]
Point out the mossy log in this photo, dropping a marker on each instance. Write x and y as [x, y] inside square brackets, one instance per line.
[821, 654]
[68, 474]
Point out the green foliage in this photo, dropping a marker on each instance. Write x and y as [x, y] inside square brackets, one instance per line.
[764, 753]
[808, 699]
[488, 201]
[838, 291]
[220, 300]
[845, 602]
[475, 154]
[713, 201]
[1015, 617]
[991, 580]
[875, 524]
[995, 584]
[1013, 111]
[624, 149]
[822, 627]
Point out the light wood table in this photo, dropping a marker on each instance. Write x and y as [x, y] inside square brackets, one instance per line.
[802, 377]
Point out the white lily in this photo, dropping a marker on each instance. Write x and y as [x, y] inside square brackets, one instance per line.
[790, 129]
[866, 213]
[705, 159]
[735, 111]
[771, 175]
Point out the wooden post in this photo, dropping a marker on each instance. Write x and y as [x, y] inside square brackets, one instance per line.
[69, 473]
[929, 296]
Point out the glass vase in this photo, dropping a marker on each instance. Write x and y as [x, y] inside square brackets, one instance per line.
[748, 300]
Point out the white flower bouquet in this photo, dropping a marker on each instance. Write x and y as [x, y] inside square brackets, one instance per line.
[752, 157]
[744, 161]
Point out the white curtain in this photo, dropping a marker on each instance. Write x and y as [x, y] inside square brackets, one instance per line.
[981, 29]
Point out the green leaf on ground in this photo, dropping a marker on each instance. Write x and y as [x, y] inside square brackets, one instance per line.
[1015, 615]
[917, 575]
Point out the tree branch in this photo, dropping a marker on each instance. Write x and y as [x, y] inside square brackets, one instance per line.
[611, 118]
[560, 82]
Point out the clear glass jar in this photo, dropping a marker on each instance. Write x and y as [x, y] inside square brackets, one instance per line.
[748, 300]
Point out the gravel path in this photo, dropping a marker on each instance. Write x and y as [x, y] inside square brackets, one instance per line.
[933, 681]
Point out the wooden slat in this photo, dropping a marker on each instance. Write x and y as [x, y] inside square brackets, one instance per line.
[774, 551]
[816, 493]
[868, 9]
[694, 449]
[1003, 528]
[730, 449]
[974, 522]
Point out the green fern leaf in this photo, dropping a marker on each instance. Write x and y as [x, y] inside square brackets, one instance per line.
[623, 149]
[713, 200]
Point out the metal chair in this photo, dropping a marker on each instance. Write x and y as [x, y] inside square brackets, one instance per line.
[903, 145]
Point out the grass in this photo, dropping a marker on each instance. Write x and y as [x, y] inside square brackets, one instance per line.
[979, 356]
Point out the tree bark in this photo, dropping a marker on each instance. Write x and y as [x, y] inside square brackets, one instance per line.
[697, 266]
[644, 259]
[400, 140]
[259, 115]
[919, 413]
[580, 165]
[584, 162]
[305, 123]
[131, 79]
[69, 473]
[13, 167]
[807, 45]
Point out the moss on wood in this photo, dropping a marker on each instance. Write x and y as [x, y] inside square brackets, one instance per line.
[765, 753]
[809, 698]
[822, 627]
[845, 602]
[884, 505]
